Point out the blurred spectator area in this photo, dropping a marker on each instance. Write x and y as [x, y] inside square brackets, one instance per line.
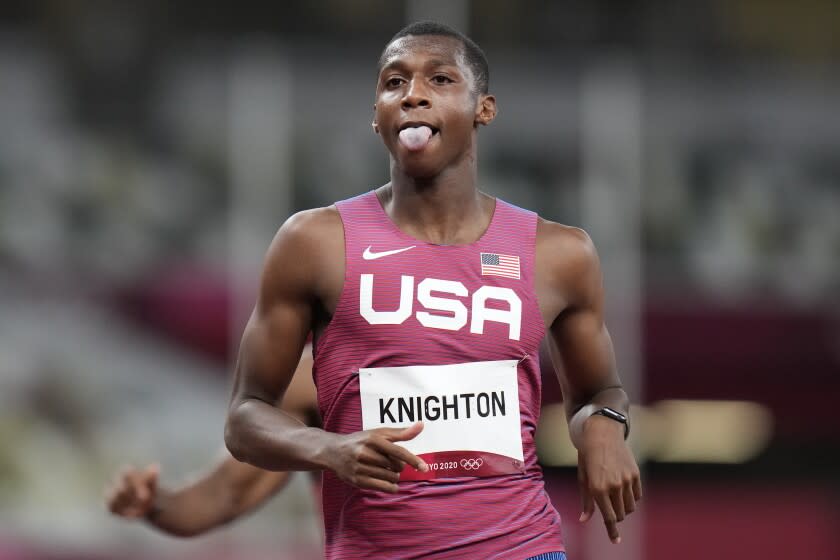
[116, 157]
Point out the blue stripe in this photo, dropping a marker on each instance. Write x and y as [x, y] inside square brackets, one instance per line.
[549, 556]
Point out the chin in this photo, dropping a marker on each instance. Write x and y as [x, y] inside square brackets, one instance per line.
[420, 169]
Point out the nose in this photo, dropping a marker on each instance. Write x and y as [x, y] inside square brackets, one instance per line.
[416, 95]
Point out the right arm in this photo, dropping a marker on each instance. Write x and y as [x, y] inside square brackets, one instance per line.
[227, 491]
[299, 268]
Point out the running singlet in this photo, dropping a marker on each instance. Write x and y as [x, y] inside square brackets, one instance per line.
[446, 334]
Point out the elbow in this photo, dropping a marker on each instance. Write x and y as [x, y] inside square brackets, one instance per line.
[233, 435]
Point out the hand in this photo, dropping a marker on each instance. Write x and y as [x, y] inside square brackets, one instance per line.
[132, 493]
[370, 459]
[607, 473]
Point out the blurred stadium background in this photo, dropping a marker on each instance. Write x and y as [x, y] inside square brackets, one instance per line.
[149, 150]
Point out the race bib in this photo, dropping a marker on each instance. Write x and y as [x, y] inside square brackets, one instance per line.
[470, 414]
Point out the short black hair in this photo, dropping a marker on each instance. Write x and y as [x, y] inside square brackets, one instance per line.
[473, 55]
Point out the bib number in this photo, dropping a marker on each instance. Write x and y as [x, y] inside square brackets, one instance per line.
[470, 414]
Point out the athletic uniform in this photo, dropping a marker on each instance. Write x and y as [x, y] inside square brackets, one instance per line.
[448, 335]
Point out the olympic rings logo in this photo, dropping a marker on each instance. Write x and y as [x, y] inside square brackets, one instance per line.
[471, 464]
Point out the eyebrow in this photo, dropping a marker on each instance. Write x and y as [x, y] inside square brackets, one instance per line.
[433, 63]
[436, 62]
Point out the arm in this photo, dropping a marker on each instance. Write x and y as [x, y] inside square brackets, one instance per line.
[582, 352]
[299, 275]
[229, 490]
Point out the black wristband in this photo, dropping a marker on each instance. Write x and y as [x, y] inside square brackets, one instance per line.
[615, 415]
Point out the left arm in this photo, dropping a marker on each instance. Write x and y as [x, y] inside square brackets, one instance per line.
[582, 352]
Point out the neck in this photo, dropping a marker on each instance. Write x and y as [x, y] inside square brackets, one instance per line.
[446, 209]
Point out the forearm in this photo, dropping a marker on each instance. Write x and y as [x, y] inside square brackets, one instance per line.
[191, 510]
[580, 412]
[228, 491]
[266, 437]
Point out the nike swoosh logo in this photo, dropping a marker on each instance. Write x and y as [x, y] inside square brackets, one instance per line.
[369, 255]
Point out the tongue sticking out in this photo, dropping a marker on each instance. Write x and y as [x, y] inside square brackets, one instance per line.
[415, 138]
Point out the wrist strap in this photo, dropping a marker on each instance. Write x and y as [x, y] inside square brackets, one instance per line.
[614, 415]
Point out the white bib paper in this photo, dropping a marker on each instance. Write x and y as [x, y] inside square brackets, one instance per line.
[470, 414]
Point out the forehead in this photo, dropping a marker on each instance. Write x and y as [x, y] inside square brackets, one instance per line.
[446, 50]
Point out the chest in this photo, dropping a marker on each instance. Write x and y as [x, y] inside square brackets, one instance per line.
[387, 293]
[452, 295]
[437, 303]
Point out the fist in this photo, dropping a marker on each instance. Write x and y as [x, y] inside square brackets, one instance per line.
[132, 492]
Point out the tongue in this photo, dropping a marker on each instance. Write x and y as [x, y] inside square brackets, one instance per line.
[415, 138]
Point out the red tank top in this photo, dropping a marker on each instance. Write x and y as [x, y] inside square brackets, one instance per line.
[406, 302]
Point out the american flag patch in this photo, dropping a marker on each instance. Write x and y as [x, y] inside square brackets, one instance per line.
[494, 264]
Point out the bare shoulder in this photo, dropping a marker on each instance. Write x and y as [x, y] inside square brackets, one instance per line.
[304, 232]
[565, 247]
[304, 245]
[567, 269]
[309, 227]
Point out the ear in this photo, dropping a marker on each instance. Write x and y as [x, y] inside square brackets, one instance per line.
[374, 124]
[485, 109]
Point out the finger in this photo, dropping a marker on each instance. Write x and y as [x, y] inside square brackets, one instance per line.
[140, 488]
[378, 472]
[617, 501]
[587, 505]
[123, 494]
[122, 489]
[373, 456]
[132, 513]
[401, 453]
[116, 496]
[119, 504]
[125, 474]
[376, 484]
[604, 504]
[152, 474]
[119, 481]
[637, 488]
[408, 434]
[629, 500]
[404, 434]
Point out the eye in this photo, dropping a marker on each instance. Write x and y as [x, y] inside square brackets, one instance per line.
[394, 82]
[442, 79]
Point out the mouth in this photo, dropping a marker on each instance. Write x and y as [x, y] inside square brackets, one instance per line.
[417, 124]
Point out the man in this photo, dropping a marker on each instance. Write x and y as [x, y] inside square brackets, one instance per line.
[428, 300]
[227, 491]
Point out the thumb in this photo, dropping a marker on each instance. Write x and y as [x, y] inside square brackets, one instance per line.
[152, 474]
[408, 433]
[145, 482]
